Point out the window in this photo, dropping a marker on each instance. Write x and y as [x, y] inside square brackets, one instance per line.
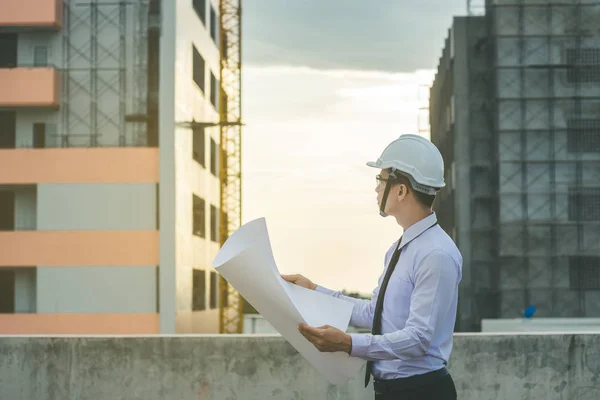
[39, 136]
[584, 273]
[198, 66]
[200, 8]
[584, 204]
[198, 290]
[213, 25]
[7, 291]
[214, 90]
[214, 222]
[8, 50]
[199, 216]
[214, 289]
[583, 65]
[224, 160]
[8, 129]
[213, 157]
[7, 210]
[198, 146]
[583, 135]
[40, 56]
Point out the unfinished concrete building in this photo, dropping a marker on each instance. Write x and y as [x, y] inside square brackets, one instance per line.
[515, 110]
[109, 194]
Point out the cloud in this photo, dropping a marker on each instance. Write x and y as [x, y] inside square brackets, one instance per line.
[308, 136]
[387, 35]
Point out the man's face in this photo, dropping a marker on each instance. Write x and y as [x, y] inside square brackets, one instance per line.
[394, 199]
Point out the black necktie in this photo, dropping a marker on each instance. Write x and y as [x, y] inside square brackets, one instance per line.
[376, 330]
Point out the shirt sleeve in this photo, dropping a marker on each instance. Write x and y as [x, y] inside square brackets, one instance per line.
[362, 313]
[435, 288]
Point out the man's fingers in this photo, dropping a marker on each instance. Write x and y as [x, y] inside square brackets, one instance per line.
[310, 330]
[291, 278]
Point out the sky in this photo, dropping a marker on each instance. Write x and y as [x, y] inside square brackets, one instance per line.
[326, 86]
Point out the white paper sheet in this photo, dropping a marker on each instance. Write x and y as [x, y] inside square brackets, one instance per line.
[246, 261]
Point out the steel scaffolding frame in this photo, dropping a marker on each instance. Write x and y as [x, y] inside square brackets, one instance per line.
[99, 39]
[536, 86]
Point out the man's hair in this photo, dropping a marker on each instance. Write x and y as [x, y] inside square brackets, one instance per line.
[423, 198]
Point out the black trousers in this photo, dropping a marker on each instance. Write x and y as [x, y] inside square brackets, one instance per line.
[441, 389]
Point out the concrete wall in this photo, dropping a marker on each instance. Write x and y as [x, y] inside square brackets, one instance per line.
[108, 290]
[527, 367]
[96, 206]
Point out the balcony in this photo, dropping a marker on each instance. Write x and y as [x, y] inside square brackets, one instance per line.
[77, 165]
[78, 248]
[31, 14]
[29, 87]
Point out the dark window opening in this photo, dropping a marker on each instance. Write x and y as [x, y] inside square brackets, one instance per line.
[214, 289]
[8, 129]
[39, 136]
[583, 135]
[7, 210]
[198, 146]
[214, 223]
[224, 161]
[198, 290]
[584, 273]
[584, 204]
[214, 162]
[214, 91]
[8, 50]
[198, 66]
[199, 216]
[200, 8]
[7, 291]
[213, 25]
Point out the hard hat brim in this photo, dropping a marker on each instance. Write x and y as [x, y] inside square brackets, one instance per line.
[373, 164]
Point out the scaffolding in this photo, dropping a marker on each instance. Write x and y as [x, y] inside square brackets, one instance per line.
[546, 64]
[230, 110]
[104, 73]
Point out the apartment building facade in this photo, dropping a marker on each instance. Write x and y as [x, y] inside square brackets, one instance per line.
[109, 197]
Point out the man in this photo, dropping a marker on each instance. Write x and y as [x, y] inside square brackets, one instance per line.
[413, 309]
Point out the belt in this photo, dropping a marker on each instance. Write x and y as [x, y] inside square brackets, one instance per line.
[395, 385]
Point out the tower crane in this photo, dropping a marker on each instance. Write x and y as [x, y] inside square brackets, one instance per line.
[230, 158]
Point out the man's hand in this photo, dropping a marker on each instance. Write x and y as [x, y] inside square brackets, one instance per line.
[300, 281]
[327, 338]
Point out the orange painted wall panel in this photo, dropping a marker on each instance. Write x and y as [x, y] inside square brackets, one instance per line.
[31, 13]
[79, 165]
[79, 324]
[78, 248]
[29, 87]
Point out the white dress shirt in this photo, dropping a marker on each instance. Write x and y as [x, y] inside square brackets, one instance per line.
[419, 309]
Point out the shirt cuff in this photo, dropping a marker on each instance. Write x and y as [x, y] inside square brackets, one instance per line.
[360, 344]
[324, 290]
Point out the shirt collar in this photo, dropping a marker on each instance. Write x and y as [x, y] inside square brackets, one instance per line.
[416, 229]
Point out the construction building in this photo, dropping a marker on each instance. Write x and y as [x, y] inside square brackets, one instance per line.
[113, 164]
[515, 111]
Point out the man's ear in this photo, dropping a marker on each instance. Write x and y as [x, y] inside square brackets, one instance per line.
[402, 190]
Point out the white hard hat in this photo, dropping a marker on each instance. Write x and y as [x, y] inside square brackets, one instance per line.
[417, 158]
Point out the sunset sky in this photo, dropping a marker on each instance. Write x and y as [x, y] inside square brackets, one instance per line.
[326, 86]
